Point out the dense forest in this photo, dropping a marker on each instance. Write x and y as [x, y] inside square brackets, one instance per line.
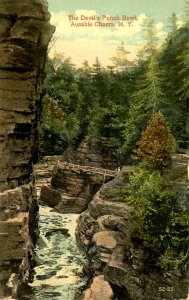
[114, 105]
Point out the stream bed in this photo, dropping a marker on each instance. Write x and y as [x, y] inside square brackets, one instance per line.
[58, 273]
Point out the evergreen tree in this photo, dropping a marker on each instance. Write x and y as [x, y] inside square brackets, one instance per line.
[160, 223]
[186, 12]
[86, 68]
[120, 60]
[107, 123]
[87, 101]
[173, 24]
[146, 99]
[150, 37]
[97, 67]
[60, 104]
[183, 90]
[157, 143]
[100, 83]
[172, 60]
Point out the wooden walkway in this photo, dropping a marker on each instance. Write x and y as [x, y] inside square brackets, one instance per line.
[87, 169]
[180, 158]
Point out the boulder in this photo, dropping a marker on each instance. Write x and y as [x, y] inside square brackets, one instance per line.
[100, 289]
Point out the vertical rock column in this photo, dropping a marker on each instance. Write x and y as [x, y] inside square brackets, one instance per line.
[24, 35]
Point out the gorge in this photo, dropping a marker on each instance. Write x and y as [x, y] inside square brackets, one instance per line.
[116, 268]
[85, 183]
[24, 36]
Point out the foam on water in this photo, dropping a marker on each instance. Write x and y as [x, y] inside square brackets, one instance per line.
[58, 273]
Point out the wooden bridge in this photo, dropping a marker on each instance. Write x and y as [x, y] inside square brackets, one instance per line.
[181, 161]
[87, 169]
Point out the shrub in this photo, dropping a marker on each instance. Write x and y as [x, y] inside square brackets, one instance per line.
[161, 224]
[156, 143]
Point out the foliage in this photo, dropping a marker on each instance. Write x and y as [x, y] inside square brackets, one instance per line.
[104, 104]
[173, 24]
[161, 224]
[90, 102]
[173, 59]
[183, 62]
[120, 60]
[157, 143]
[62, 113]
[107, 123]
[116, 103]
[150, 38]
[186, 12]
[146, 98]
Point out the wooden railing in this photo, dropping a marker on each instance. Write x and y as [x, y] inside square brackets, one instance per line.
[87, 169]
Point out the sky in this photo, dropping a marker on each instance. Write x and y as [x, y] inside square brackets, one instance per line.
[113, 21]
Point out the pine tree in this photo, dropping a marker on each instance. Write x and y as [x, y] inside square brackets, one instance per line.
[150, 37]
[183, 61]
[148, 96]
[100, 83]
[173, 24]
[120, 60]
[183, 78]
[97, 67]
[156, 143]
[146, 99]
[173, 59]
[186, 12]
[86, 68]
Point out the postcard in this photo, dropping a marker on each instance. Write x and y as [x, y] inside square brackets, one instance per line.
[94, 147]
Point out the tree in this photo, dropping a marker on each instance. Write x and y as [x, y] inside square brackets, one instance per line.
[186, 12]
[146, 98]
[100, 83]
[174, 60]
[61, 104]
[120, 60]
[160, 223]
[86, 103]
[183, 76]
[97, 67]
[86, 68]
[156, 143]
[107, 123]
[150, 38]
[183, 61]
[173, 24]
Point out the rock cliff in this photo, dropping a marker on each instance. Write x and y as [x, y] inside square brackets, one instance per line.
[103, 234]
[73, 185]
[97, 155]
[24, 35]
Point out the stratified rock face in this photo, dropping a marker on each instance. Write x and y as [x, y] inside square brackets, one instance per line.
[99, 155]
[72, 188]
[103, 226]
[24, 35]
[104, 232]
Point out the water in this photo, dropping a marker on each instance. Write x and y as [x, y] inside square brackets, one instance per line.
[58, 274]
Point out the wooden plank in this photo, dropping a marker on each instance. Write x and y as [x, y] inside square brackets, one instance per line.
[88, 169]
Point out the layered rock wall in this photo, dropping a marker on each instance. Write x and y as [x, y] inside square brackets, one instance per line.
[72, 189]
[104, 234]
[24, 35]
[99, 155]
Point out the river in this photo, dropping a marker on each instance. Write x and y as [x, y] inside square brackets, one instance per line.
[58, 273]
